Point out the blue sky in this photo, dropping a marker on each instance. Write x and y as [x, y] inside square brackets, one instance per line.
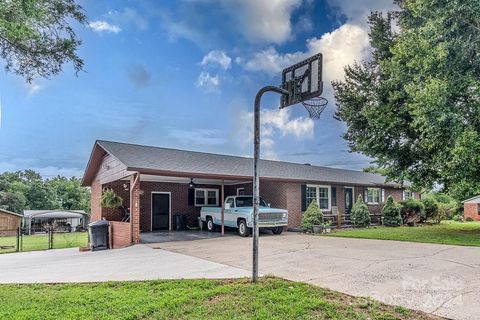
[183, 74]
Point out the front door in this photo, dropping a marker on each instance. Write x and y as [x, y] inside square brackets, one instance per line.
[348, 200]
[160, 211]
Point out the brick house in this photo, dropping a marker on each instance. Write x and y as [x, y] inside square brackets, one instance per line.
[158, 183]
[471, 208]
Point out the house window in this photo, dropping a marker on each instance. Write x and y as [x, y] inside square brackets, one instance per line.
[373, 195]
[407, 195]
[240, 191]
[206, 197]
[321, 194]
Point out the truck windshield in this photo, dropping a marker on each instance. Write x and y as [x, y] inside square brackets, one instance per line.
[248, 202]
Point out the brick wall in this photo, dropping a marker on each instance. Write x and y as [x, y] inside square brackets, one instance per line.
[471, 210]
[120, 234]
[285, 195]
[179, 201]
[95, 198]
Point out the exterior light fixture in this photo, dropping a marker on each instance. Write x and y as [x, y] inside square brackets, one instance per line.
[125, 187]
[191, 185]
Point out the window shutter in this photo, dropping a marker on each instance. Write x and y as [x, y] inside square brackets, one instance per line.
[365, 195]
[191, 196]
[304, 196]
[334, 196]
[383, 196]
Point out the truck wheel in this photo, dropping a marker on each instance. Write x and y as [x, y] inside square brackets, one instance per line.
[210, 225]
[277, 230]
[243, 230]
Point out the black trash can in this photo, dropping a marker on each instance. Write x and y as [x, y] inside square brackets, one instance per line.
[98, 231]
[180, 222]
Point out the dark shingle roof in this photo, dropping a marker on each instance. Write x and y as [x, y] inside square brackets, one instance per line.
[139, 157]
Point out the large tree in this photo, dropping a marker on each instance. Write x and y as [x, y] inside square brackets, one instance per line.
[28, 190]
[414, 105]
[36, 36]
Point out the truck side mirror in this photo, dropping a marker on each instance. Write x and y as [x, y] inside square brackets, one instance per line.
[227, 206]
[268, 204]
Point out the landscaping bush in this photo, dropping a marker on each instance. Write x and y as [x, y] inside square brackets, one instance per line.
[313, 216]
[431, 209]
[446, 211]
[360, 215]
[391, 213]
[458, 217]
[413, 212]
[110, 199]
[469, 219]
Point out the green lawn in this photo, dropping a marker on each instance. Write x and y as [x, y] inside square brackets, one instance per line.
[40, 241]
[448, 232]
[271, 298]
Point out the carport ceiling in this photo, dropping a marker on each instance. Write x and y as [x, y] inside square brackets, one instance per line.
[154, 178]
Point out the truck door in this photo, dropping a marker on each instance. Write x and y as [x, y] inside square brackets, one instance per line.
[230, 219]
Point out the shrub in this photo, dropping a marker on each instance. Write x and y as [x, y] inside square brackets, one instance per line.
[360, 215]
[457, 217]
[431, 209]
[313, 216]
[446, 211]
[469, 219]
[413, 212]
[110, 199]
[391, 213]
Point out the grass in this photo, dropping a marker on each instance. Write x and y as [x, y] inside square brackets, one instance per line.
[448, 232]
[40, 241]
[271, 298]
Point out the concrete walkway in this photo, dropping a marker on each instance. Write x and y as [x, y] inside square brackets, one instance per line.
[139, 262]
[439, 279]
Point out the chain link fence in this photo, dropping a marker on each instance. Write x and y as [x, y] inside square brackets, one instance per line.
[15, 240]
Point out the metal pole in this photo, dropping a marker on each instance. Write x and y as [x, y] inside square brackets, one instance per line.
[223, 207]
[256, 176]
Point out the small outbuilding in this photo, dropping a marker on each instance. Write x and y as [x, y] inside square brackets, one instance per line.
[9, 221]
[471, 208]
[66, 220]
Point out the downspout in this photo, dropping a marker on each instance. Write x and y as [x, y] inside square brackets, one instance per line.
[132, 204]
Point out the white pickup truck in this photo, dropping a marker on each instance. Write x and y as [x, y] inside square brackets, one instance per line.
[239, 215]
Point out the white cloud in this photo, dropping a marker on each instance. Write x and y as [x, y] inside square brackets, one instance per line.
[264, 20]
[129, 16]
[217, 57]
[271, 61]
[273, 122]
[207, 82]
[340, 47]
[257, 21]
[104, 26]
[357, 11]
[33, 88]
[45, 171]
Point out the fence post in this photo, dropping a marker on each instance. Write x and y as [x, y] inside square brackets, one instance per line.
[50, 238]
[336, 212]
[18, 239]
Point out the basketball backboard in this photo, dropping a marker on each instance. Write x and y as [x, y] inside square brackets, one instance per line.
[303, 81]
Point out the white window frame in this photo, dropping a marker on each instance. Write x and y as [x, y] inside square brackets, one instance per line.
[205, 194]
[404, 195]
[317, 193]
[240, 189]
[379, 196]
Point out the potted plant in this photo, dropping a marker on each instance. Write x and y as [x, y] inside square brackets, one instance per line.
[327, 227]
[110, 199]
[317, 228]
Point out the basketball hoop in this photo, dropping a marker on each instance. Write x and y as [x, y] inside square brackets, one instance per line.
[315, 107]
[301, 83]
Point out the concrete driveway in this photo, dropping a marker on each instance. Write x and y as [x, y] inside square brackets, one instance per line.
[134, 263]
[439, 279]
